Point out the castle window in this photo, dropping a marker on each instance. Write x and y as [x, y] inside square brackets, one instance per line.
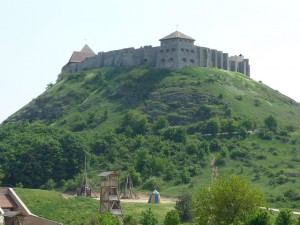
[163, 60]
[161, 50]
[192, 51]
[145, 60]
[184, 59]
[167, 50]
[192, 61]
[173, 49]
[182, 49]
[187, 50]
[171, 59]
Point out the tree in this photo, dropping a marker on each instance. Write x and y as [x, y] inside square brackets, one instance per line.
[172, 218]
[148, 218]
[226, 201]
[259, 217]
[212, 126]
[184, 206]
[271, 123]
[285, 217]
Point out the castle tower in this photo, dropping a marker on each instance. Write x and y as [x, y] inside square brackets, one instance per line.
[109, 197]
[175, 50]
[77, 57]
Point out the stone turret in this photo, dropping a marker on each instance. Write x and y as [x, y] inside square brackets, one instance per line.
[173, 48]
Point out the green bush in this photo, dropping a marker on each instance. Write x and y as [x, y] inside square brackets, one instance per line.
[148, 218]
[172, 218]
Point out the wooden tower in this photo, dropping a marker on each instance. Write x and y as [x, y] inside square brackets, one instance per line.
[109, 197]
[85, 189]
[128, 190]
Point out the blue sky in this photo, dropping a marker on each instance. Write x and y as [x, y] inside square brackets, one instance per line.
[38, 37]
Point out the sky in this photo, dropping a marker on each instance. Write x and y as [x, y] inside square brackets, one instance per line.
[38, 37]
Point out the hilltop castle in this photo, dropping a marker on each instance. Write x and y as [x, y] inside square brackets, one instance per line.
[176, 51]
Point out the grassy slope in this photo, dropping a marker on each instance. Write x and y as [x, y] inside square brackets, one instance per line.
[54, 206]
[175, 95]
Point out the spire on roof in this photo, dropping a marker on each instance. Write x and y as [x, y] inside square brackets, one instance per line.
[177, 34]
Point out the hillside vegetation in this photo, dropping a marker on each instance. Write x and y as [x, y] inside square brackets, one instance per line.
[162, 127]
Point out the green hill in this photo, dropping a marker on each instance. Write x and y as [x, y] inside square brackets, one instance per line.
[163, 127]
[97, 99]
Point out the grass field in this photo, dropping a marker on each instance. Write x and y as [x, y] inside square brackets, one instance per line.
[77, 210]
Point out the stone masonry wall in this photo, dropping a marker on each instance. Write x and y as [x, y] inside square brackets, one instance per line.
[172, 54]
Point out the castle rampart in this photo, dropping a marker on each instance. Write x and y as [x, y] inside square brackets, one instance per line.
[176, 51]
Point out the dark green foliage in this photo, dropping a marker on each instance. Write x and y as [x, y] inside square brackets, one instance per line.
[136, 122]
[2, 175]
[212, 126]
[271, 123]
[259, 217]
[160, 123]
[177, 134]
[35, 154]
[148, 218]
[285, 217]
[172, 218]
[184, 206]
[130, 220]
[153, 183]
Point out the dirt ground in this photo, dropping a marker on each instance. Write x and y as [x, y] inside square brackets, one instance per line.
[143, 198]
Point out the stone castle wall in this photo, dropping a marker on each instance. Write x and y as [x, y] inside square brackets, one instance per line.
[172, 54]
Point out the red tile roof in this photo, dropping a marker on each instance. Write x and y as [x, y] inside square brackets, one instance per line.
[86, 52]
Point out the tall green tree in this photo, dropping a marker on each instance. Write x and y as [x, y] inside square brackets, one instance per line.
[184, 206]
[226, 201]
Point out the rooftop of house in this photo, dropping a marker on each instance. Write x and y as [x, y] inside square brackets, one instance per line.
[86, 52]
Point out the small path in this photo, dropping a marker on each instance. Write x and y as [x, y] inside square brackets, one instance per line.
[278, 210]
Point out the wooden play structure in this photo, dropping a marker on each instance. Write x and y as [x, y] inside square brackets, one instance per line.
[85, 189]
[128, 189]
[109, 197]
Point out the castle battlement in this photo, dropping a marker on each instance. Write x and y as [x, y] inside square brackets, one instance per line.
[176, 51]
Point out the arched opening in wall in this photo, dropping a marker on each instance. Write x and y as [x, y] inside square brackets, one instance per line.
[161, 51]
[184, 59]
[182, 49]
[145, 60]
[167, 50]
[171, 59]
[192, 51]
[163, 60]
[192, 61]
[187, 50]
[173, 49]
